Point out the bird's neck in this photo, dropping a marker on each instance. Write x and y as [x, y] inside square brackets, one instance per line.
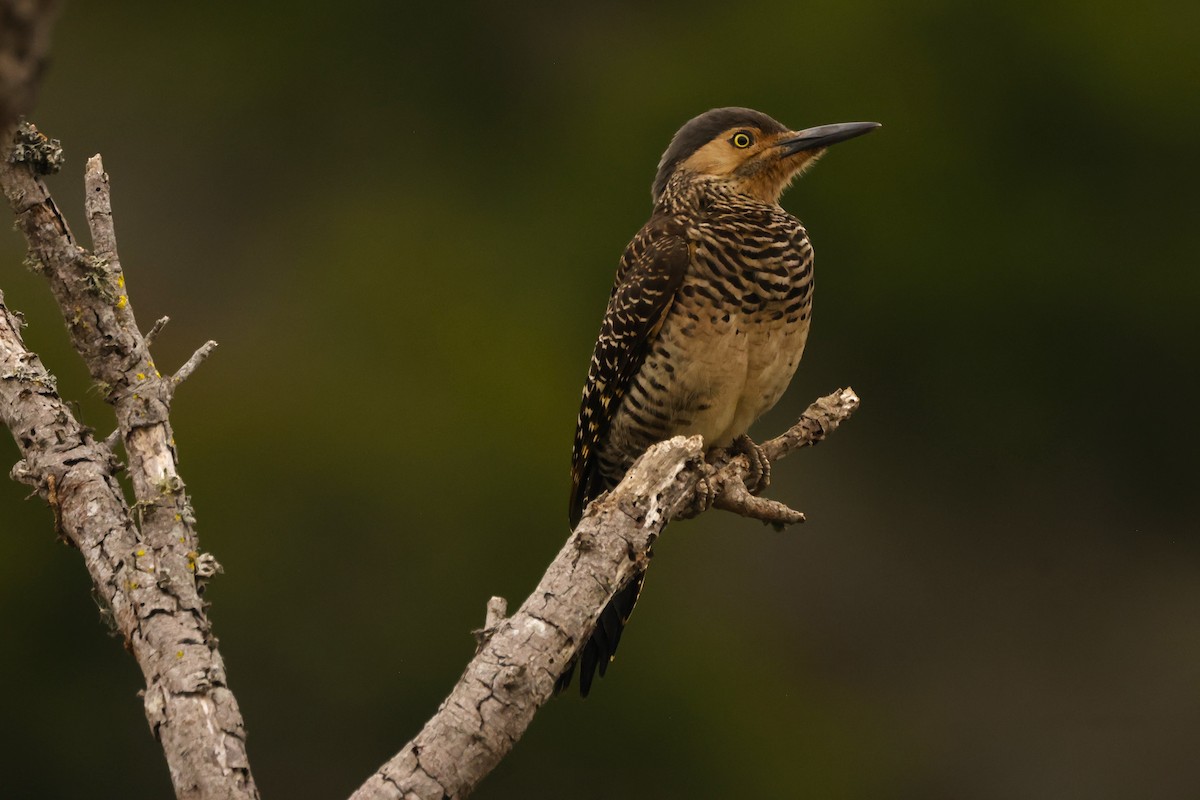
[694, 194]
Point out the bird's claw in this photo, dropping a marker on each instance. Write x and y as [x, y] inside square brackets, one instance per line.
[702, 500]
[759, 476]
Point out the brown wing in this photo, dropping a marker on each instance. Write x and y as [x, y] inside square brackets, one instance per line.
[650, 272]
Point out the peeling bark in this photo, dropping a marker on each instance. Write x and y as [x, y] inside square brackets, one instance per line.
[521, 657]
[144, 559]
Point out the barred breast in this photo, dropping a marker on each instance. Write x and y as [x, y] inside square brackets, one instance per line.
[732, 340]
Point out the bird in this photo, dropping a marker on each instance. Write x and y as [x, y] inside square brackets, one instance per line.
[707, 318]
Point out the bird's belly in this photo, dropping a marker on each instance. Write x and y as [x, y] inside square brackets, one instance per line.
[731, 374]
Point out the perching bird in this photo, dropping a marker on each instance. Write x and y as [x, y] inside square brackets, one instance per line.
[707, 318]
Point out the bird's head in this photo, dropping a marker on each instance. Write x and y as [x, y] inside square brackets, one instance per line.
[747, 151]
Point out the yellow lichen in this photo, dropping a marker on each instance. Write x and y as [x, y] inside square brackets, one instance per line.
[179, 654]
[122, 301]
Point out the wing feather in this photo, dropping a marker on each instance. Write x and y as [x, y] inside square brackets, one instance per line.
[650, 273]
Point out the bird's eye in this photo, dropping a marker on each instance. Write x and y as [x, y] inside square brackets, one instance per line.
[742, 140]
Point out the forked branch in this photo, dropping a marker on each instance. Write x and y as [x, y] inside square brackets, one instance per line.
[519, 658]
[145, 561]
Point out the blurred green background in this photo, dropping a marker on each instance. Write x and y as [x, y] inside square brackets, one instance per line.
[401, 224]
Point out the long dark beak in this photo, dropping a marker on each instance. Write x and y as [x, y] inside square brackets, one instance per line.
[825, 135]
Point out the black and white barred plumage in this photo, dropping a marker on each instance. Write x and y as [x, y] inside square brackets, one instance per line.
[706, 322]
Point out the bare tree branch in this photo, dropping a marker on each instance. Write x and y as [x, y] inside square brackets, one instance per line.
[149, 573]
[520, 658]
[189, 366]
[818, 421]
[145, 561]
[148, 576]
[155, 330]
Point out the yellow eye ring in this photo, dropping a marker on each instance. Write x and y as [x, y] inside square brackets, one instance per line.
[741, 140]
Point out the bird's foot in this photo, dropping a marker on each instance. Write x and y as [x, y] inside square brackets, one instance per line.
[703, 499]
[759, 476]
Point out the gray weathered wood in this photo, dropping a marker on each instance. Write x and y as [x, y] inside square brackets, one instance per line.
[519, 658]
[145, 561]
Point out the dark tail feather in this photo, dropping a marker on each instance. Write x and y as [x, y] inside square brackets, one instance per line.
[587, 665]
[602, 645]
[564, 680]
